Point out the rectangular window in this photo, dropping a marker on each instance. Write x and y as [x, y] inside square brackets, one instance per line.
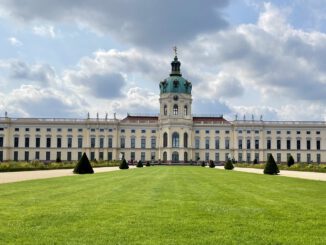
[288, 132]
[16, 129]
[37, 129]
[80, 143]
[240, 157]
[37, 155]
[153, 155]
[26, 129]
[197, 143]
[317, 132]
[16, 142]
[248, 131]
[133, 131]
[226, 156]
[69, 142]
[101, 129]
[69, 156]
[26, 156]
[318, 144]
[207, 131]
[69, 130]
[308, 158]
[132, 143]
[207, 144]
[1, 129]
[122, 142]
[109, 156]
[59, 129]
[48, 130]
[248, 144]
[101, 142]
[206, 156]
[197, 131]
[197, 158]
[58, 156]
[308, 132]
[269, 132]
[298, 157]
[26, 142]
[92, 129]
[59, 142]
[248, 157]
[269, 144]
[48, 156]
[298, 132]
[153, 131]
[93, 139]
[80, 130]
[143, 131]
[37, 142]
[278, 132]
[92, 155]
[110, 129]
[132, 156]
[48, 142]
[308, 144]
[15, 156]
[239, 131]
[153, 142]
[227, 144]
[110, 143]
[318, 158]
[278, 144]
[1, 141]
[217, 131]
[143, 143]
[122, 130]
[298, 145]
[142, 156]
[79, 155]
[217, 144]
[240, 144]
[257, 157]
[100, 156]
[256, 131]
[288, 144]
[256, 144]
[227, 132]
[278, 157]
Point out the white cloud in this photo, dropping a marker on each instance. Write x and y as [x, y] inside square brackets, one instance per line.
[15, 42]
[45, 31]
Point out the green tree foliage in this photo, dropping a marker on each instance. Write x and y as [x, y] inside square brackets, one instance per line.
[124, 164]
[228, 165]
[203, 164]
[140, 164]
[83, 166]
[290, 161]
[211, 164]
[271, 166]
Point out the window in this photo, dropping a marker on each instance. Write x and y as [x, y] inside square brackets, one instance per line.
[26, 156]
[16, 142]
[278, 157]
[308, 132]
[1, 141]
[69, 142]
[26, 142]
[79, 155]
[318, 158]
[217, 131]
[143, 143]
[257, 157]
[100, 156]
[132, 155]
[227, 144]
[308, 144]
[288, 132]
[206, 156]
[278, 132]
[298, 132]
[48, 156]
[69, 156]
[80, 130]
[1, 129]
[48, 130]
[227, 132]
[175, 110]
[240, 157]
[248, 144]
[153, 155]
[256, 144]
[248, 131]
[175, 139]
[16, 129]
[318, 144]
[142, 156]
[110, 129]
[143, 131]
[317, 132]
[197, 156]
[308, 158]
[239, 131]
[92, 129]
[197, 143]
[101, 143]
[58, 155]
[185, 110]
[256, 131]
[37, 129]
[110, 156]
[110, 143]
[207, 144]
[165, 140]
[92, 155]
[153, 142]
[37, 142]
[268, 132]
[197, 131]
[58, 142]
[93, 142]
[26, 129]
[185, 140]
[298, 145]
[15, 156]
[48, 142]
[278, 144]
[37, 155]
[217, 144]
[69, 130]
[269, 144]
[248, 157]
[207, 131]
[122, 142]
[132, 142]
[165, 110]
[122, 130]
[59, 129]
[153, 131]
[240, 144]
[101, 129]
[288, 144]
[80, 143]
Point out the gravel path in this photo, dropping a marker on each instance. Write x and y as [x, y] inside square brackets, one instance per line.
[287, 173]
[9, 177]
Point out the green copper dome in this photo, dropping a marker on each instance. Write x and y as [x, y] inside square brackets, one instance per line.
[175, 83]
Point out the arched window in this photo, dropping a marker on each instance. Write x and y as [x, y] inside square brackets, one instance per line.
[165, 140]
[165, 156]
[175, 110]
[185, 157]
[185, 110]
[175, 140]
[185, 140]
[165, 111]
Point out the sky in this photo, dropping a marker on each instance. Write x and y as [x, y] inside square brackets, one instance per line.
[247, 58]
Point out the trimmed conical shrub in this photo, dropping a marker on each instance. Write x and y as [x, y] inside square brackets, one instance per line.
[140, 164]
[211, 164]
[83, 166]
[228, 165]
[148, 164]
[124, 164]
[290, 161]
[271, 167]
[203, 164]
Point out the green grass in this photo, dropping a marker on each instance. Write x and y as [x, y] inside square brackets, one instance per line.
[164, 205]
[312, 167]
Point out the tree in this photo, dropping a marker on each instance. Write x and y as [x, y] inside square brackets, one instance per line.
[290, 161]
[271, 166]
[148, 164]
[124, 164]
[139, 164]
[83, 166]
[203, 164]
[228, 165]
[211, 164]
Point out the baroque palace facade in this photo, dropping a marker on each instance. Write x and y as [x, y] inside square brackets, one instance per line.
[175, 135]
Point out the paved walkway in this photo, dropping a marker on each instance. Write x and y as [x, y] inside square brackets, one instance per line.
[287, 173]
[9, 177]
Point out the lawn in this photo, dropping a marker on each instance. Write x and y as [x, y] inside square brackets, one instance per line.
[164, 205]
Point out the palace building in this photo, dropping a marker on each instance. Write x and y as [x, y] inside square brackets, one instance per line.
[175, 135]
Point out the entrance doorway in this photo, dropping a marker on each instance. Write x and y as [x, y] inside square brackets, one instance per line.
[175, 157]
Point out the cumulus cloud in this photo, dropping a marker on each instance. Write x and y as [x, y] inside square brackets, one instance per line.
[143, 23]
[15, 42]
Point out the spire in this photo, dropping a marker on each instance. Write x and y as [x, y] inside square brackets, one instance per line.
[175, 64]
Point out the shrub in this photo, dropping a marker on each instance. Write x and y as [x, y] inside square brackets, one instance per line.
[255, 161]
[58, 159]
[290, 161]
[124, 164]
[211, 164]
[228, 165]
[271, 167]
[139, 164]
[203, 164]
[148, 164]
[83, 166]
